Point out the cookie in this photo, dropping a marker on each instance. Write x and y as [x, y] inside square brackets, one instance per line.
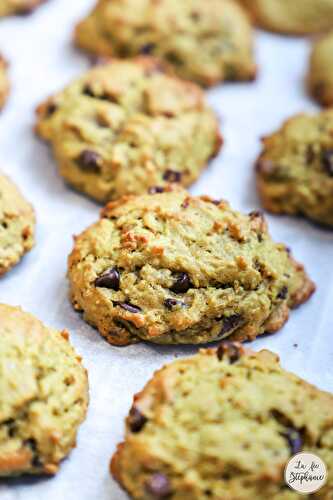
[291, 17]
[18, 7]
[207, 42]
[17, 225]
[223, 424]
[4, 82]
[295, 169]
[125, 127]
[320, 76]
[43, 394]
[172, 268]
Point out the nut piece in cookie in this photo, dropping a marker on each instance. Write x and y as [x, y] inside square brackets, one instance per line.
[4, 82]
[291, 17]
[222, 426]
[17, 225]
[18, 7]
[295, 169]
[43, 394]
[320, 76]
[126, 127]
[172, 268]
[206, 42]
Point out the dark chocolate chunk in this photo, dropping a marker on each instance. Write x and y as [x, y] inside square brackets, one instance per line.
[171, 303]
[182, 283]
[159, 486]
[256, 213]
[327, 161]
[136, 420]
[294, 438]
[172, 176]
[147, 48]
[89, 160]
[128, 307]
[88, 91]
[155, 189]
[50, 109]
[32, 445]
[230, 323]
[283, 293]
[230, 349]
[109, 279]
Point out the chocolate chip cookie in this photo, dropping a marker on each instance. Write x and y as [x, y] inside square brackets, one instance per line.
[223, 425]
[293, 17]
[125, 127]
[295, 169]
[18, 7]
[43, 394]
[4, 82]
[172, 268]
[17, 225]
[206, 42]
[320, 77]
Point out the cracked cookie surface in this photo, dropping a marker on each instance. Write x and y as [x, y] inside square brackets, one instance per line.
[320, 76]
[171, 268]
[17, 225]
[125, 127]
[207, 42]
[295, 169]
[223, 424]
[293, 17]
[4, 82]
[43, 394]
[18, 7]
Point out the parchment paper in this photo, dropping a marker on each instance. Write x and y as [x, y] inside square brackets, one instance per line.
[43, 60]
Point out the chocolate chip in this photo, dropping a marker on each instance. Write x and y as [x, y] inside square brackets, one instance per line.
[171, 303]
[88, 91]
[50, 109]
[89, 160]
[32, 445]
[147, 48]
[230, 323]
[109, 279]
[230, 349]
[294, 438]
[172, 176]
[327, 161]
[128, 307]
[159, 486]
[182, 283]
[283, 293]
[136, 420]
[310, 155]
[155, 189]
[256, 213]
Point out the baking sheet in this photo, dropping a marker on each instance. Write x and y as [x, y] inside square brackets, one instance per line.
[42, 61]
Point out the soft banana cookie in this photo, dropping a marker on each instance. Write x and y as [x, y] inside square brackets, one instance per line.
[320, 77]
[207, 42]
[170, 268]
[223, 425]
[4, 82]
[293, 17]
[18, 7]
[125, 127]
[43, 394]
[295, 168]
[17, 225]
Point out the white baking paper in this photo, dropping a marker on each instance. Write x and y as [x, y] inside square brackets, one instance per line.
[43, 60]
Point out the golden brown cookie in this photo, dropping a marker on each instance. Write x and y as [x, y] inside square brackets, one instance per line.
[4, 82]
[43, 394]
[207, 42]
[320, 76]
[125, 127]
[17, 225]
[292, 17]
[295, 169]
[222, 425]
[172, 268]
